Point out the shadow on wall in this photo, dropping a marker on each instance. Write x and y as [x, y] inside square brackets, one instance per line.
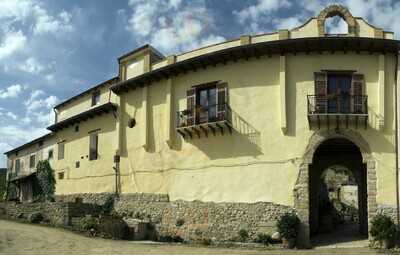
[245, 140]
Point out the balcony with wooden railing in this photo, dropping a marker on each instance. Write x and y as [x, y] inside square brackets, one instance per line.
[204, 120]
[337, 111]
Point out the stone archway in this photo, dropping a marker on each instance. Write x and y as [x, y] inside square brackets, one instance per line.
[336, 10]
[301, 189]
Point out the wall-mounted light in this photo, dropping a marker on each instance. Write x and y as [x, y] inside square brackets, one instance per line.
[132, 123]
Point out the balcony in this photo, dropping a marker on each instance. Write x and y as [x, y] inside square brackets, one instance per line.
[204, 120]
[337, 111]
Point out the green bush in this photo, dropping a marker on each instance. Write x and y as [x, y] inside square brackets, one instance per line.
[206, 241]
[108, 205]
[264, 239]
[45, 180]
[180, 222]
[87, 223]
[35, 217]
[288, 225]
[243, 235]
[112, 227]
[382, 228]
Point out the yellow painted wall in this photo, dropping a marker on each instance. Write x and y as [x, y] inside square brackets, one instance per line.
[84, 103]
[246, 167]
[92, 175]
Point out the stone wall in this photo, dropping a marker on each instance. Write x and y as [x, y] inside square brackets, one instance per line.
[194, 220]
[55, 213]
[389, 211]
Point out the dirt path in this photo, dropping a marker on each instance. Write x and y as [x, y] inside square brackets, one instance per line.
[19, 239]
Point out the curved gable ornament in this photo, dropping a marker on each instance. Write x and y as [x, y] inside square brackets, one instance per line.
[336, 10]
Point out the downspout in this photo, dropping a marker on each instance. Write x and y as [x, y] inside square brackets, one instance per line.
[397, 137]
[116, 156]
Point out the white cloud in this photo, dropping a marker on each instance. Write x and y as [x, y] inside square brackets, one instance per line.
[253, 15]
[16, 9]
[31, 65]
[12, 115]
[46, 23]
[336, 25]
[172, 25]
[12, 42]
[287, 23]
[34, 103]
[11, 92]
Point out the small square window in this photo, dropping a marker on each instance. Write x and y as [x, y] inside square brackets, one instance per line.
[61, 175]
[76, 128]
[77, 164]
[95, 98]
[40, 143]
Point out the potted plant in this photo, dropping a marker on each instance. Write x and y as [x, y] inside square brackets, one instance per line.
[288, 228]
[383, 230]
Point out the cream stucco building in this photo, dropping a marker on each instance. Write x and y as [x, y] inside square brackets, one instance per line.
[255, 119]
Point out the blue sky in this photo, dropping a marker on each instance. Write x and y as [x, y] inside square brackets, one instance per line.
[52, 50]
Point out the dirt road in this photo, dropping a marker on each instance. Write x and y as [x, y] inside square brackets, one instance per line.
[19, 239]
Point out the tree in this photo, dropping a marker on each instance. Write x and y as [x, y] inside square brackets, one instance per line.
[45, 180]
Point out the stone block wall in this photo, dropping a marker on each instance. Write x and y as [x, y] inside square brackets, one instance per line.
[193, 220]
[56, 213]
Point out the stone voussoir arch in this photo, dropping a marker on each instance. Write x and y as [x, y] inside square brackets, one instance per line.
[301, 188]
[336, 10]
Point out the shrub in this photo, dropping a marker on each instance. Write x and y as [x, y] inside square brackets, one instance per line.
[264, 239]
[45, 180]
[206, 241]
[170, 239]
[112, 227]
[35, 217]
[180, 222]
[288, 225]
[87, 223]
[243, 235]
[108, 205]
[382, 228]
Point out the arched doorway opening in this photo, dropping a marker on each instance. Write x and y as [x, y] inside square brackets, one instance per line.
[338, 192]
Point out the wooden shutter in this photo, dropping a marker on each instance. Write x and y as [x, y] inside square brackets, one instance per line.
[222, 101]
[61, 147]
[93, 147]
[357, 84]
[321, 91]
[191, 107]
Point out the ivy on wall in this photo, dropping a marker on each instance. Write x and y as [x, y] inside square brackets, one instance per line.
[45, 183]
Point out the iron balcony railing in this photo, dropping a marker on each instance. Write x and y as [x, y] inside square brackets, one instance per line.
[337, 104]
[202, 115]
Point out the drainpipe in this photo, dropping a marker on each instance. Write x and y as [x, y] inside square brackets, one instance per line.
[117, 157]
[397, 136]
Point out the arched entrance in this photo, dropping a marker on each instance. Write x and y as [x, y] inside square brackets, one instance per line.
[338, 166]
[302, 187]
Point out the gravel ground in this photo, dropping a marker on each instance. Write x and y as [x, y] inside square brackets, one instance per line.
[19, 239]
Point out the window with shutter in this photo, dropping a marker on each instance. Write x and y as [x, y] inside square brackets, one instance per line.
[222, 101]
[191, 107]
[321, 88]
[61, 147]
[17, 166]
[32, 161]
[357, 84]
[93, 146]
